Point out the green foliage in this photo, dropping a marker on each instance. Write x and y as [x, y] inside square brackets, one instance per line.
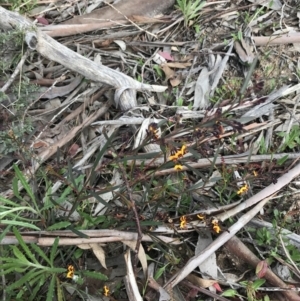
[264, 236]
[291, 139]
[238, 36]
[158, 71]
[34, 267]
[190, 9]
[21, 6]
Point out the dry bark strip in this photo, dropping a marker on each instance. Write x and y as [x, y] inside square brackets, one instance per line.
[123, 8]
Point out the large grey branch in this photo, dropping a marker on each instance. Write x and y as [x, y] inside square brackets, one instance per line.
[53, 50]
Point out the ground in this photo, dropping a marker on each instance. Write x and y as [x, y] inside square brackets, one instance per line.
[149, 150]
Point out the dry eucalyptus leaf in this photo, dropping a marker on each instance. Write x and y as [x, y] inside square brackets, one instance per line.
[178, 65]
[169, 73]
[84, 246]
[202, 88]
[142, 255]
[209, 266]
[99, 253]
[244, 51]
[274, 4]
[176, 80]
[121, 44]
[200, 281]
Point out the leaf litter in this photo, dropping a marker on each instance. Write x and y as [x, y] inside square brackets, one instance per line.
[143, 126]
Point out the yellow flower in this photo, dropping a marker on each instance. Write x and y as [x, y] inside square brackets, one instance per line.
[71, 271]
[182, 222]
[105, 290]
[178, 167]
[216, 226]
[201, 216]
[173, 157]
[243, 189]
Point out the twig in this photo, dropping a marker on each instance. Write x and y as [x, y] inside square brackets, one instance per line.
[16, 72]
[138, 225]
[13, 77]
[288, 255]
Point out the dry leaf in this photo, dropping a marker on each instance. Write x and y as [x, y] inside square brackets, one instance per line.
[178, 65]
[200, 281]
[142, 255]
[202, 88]
[99, 253]
[169, 73]
[39, 144]
[73, 150]
[84, 246]
[166, 55]
[176, 81]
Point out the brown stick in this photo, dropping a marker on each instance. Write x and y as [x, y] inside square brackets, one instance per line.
[235, 246]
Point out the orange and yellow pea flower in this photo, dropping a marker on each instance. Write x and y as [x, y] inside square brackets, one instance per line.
[183, 222]
[216, 226]
[106, 290]
[243, 189]
[178, 167]
[71, 271]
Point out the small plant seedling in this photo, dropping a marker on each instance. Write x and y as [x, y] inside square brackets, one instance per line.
[291, 139]
[190, 9]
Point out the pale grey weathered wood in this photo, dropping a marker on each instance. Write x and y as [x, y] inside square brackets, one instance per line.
[53, 50]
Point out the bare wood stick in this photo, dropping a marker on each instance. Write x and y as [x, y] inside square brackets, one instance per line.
[205, 162]
[276, 40]
[73, 241]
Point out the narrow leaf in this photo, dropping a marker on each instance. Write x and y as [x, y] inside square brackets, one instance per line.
[24, 246]
[53, 250]
[40, 252]
[60, 225]
[50, 293]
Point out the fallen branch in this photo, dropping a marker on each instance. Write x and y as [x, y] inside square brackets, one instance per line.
[69, 238]
[235, 246]
[53, 50]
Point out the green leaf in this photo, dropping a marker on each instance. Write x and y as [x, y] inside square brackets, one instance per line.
[50, 293]
[32, 276]
[15, 187]
[40, 252]
[282, 160]
[22, 208]
[24, 246]
[160, 271]
[95, 275]
[24, 183]
[59, 290]
[4, 232]
[229, 293]
[258, 283]
[19, 255]
[60, 225]
[8, 202]
[21, 224]
[53, 250]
